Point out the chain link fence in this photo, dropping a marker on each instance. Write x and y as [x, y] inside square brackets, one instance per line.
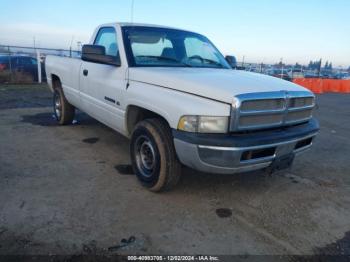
[20, 64]
[289, 72]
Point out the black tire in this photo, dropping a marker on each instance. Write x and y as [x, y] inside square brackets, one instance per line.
[63, 110]
[153, 155]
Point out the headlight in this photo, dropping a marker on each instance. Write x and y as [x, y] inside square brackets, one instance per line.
[204, 124]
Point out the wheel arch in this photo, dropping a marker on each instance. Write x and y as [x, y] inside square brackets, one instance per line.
[135, 114]
[55, 81]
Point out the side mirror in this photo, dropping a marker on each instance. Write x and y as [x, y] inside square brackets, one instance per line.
[231, 60]
[97, 54]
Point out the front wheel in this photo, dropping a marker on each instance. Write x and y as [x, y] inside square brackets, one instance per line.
[63, 110]
[153, 155]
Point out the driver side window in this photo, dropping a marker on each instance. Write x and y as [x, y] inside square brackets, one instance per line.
[107, 37]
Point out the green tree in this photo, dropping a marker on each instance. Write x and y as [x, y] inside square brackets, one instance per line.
[326, 65]
[310, 65]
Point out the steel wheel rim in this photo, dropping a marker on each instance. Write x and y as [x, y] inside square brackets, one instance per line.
[57, 106]
[145, 156]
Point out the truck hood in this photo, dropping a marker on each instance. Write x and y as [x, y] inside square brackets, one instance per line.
[217, 84]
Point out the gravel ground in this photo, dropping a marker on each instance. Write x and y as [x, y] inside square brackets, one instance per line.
[69, 190]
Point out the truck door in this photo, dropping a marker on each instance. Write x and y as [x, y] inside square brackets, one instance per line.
[102, 86]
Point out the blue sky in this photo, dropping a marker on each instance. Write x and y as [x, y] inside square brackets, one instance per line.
[260, 30]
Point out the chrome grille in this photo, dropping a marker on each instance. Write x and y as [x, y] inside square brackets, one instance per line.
[256, 120]
[298, 115]
[271, 109]
[263, 104]
[301, 101]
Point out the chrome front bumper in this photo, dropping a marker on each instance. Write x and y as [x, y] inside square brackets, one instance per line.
[236, 159]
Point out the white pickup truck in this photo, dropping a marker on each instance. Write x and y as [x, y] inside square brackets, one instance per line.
[173, 93]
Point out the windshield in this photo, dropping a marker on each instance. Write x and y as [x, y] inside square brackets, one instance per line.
[152, 46]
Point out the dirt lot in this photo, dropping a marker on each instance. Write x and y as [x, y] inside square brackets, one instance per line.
[61, 192]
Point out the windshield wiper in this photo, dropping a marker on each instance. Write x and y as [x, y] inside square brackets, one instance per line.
[165, 58]
[209, 61]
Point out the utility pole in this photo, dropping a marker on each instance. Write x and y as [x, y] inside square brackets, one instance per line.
[282, 67]
[10, 63]
[243, 61]
[70, 46]
[38, 59]
[79, 47]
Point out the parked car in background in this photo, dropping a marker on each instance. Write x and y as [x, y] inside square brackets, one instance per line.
[26, 65]
[296, 73]
[342, 75]
[279, 73]
[346, 77]
[311, 74]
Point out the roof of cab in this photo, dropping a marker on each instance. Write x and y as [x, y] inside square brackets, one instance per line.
[122, 24]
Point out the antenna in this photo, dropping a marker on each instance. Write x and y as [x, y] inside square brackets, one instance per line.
[132, 11]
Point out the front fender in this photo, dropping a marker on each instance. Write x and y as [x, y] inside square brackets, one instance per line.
[172, 104]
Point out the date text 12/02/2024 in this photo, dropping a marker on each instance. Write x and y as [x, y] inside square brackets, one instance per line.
[173, 258]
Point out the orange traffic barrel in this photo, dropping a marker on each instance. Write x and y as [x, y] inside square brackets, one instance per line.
[344, 86]
[335, 86]
[326, 85]
[318, 85]
[315, 85]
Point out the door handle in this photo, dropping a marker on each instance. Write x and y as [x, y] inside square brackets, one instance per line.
[85, 72]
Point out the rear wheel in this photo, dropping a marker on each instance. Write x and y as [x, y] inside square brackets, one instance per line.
[153, 155]
[63, 110]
